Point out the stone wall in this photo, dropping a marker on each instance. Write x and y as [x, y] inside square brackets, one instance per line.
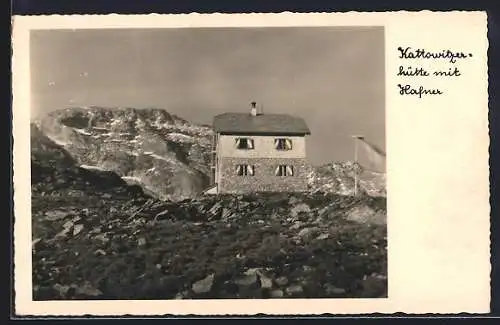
[264, 179]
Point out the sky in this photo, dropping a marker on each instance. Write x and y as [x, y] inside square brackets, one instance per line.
[333, 77]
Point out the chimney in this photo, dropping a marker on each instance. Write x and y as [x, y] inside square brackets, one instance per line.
[253, 111]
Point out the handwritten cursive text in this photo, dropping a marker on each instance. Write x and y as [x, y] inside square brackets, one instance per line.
[409, 53]
[408, 90]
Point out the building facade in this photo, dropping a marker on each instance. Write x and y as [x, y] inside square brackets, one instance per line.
[257, 152]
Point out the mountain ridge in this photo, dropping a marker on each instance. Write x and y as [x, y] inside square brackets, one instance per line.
[166, 155]
[163, 153]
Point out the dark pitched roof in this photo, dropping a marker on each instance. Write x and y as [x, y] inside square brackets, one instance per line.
[239, 123]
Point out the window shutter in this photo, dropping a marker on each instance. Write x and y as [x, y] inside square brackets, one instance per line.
[238, 170]
[250, 170]
[289, 170]
[237, 142]
[277, 171]
[250, 143]
[276, 144]
[288, 144]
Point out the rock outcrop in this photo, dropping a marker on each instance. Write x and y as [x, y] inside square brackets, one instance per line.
[164, 154]
[339, 178]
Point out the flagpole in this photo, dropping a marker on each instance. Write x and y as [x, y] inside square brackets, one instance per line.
[356, 137]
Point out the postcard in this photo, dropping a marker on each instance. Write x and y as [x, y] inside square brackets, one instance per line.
[242, 164]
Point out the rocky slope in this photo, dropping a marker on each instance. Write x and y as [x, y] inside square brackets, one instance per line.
[166, 155]
[54, 173]
[339, 177]
[260, 246]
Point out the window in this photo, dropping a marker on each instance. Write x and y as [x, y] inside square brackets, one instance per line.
[244, 143]
[284, 170]
[283, 144]
[245, 170]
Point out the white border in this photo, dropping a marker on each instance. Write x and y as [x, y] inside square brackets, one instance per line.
[438, 203]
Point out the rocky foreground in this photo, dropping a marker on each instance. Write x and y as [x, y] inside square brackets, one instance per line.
[261, 246]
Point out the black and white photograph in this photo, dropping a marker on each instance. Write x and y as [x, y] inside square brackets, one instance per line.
[208, 163]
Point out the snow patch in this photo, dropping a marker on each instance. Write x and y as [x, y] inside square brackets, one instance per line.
[211, 191]
[178, 136]
[59, 142]
[81, 131]
[159, 157]
[139, 123]
[170, 160]
[115, 121]
[131, 178]
[102, 135]
[90, 167]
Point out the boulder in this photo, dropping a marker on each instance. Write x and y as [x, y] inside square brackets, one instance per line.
[294, 289]
[298, 209]
[204, 285]
[282, 281]
[276, 293]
